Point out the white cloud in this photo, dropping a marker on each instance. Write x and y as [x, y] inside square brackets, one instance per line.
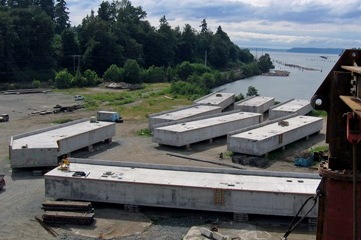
[291, 23]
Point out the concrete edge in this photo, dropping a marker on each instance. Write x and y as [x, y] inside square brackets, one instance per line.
[194, 169]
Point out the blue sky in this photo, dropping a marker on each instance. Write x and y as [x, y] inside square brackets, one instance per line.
[256, 23]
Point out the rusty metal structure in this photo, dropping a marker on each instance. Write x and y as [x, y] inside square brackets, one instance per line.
[339, 95]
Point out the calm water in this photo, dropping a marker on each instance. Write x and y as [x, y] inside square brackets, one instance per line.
[300, 84]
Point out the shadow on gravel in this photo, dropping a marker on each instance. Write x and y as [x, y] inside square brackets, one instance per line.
[198, 147]
[97, 149]
[29, 173]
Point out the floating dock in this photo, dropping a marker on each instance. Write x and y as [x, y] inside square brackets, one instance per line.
[262, 140]
[43, 147]
[298, 106]
[218, 99]
[209, 189]
[186, 133]
[257, 104]
[192, 111]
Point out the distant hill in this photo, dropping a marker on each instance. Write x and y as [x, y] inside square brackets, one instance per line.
[317, 50]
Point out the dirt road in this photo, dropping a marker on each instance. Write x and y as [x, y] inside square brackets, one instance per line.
[21, 200]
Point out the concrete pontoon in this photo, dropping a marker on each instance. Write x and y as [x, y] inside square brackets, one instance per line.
[262, 140]
[186, 133]
[257, 104]
[43, 147]
[188, 112]
[298, 106]
[218, 99]
[223, 190]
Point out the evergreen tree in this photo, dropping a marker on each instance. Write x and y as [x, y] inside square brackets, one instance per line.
[7, 49]
[252, 91]
[70, 50]
[203, 26]
[61, 16]
[264, 63]
[107, 11]
[33, 52]
[48, 7]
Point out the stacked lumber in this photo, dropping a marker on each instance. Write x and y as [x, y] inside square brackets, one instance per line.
[55, 217]
[68, 212]
[67, 206]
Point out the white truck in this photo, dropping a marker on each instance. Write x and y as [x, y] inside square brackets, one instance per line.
[109, 116]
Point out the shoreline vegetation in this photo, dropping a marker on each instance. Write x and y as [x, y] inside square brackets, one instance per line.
[116, 43]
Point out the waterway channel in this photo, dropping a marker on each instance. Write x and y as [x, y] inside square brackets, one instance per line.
[300, 84]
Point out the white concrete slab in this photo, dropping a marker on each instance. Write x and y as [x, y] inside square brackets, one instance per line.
[265, 139]
[195, 131]
[257, 104]
[224, 192]
[298, 106]
[181, 114]
[219, 99]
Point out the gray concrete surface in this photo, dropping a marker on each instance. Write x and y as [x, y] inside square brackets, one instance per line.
[298, 106]
[262, 140]
[193, 131]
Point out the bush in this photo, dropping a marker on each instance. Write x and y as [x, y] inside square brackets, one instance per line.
[191, 90]
[154, 74]
[91, 77]
[79, 80]
[63, 79]
[113, 74]
[132, 72]
[36, 84]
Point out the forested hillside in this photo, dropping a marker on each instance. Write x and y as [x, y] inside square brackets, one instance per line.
[38, 43]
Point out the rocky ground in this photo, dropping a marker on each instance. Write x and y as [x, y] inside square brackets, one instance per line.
[21, 200]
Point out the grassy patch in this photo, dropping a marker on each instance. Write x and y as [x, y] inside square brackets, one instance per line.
[132, 105]
[144, 132]
[62, 120]
[228, 154]
[319, 149]
[318, 113]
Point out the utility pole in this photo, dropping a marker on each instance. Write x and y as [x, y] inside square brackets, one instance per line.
[78, 67]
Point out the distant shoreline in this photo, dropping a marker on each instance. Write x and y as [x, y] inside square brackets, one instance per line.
[336, 51]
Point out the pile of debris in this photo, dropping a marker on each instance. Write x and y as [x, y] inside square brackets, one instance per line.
[26, 91]
[58, 109]
[123, 85]
[248, 160]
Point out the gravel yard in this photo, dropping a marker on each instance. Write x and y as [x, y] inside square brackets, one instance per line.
[21, 200]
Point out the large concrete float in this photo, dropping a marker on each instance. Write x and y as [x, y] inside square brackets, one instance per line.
[223, 190]
[222, 100]
[207, 128]
[192, 111]
[262, 140]
[43, 147]
[294, 106]
[257, 104]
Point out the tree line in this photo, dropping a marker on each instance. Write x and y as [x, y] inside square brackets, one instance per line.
[117, 43]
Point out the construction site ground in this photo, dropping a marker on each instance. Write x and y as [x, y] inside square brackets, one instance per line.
[24, 193]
